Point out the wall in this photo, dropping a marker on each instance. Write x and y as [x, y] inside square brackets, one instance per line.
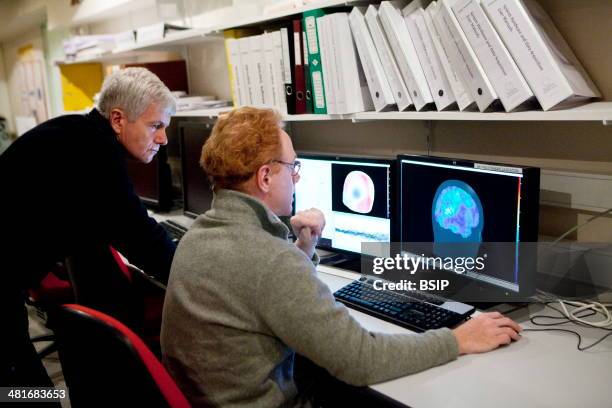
[571, 146]
[34, 40]
[206, 64]
[5, 105]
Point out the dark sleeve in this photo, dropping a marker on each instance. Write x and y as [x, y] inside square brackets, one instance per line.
[140, 238]
[126, 223]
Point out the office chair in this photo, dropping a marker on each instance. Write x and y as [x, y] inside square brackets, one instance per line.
[107, 364]
[103, 281]
[52, 292]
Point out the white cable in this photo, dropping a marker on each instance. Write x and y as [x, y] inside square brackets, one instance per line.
[594, 306]
[577, 227]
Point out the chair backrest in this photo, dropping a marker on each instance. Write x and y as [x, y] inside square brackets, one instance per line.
[101, 280]
[107, 364]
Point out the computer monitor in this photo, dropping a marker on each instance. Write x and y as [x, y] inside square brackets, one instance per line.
[355, 195]
[461, 208]
[152, 181]
[197, 190]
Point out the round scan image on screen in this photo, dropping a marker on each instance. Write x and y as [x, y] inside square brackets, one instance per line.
[457, 217]
[358, 192]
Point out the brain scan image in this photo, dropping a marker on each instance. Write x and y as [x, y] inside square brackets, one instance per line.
[457, 217]
[456, 210]
[358, 192]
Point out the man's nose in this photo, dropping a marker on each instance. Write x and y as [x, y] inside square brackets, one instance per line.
[160, 137]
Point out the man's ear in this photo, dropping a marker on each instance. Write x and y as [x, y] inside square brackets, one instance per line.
[263, 178]
[117, 120]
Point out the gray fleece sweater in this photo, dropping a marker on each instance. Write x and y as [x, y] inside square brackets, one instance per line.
[242, 299]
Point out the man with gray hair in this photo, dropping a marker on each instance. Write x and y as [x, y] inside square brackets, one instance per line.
[65, 187]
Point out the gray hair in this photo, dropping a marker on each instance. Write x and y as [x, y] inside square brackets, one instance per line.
[133, 90]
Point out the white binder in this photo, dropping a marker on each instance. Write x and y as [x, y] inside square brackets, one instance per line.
[497, 62]
[336, 65]
[272, 99]
[353, 84]
[278, 72]
[436, 78]
[327, 62]
[379, 88]
[255, 61]
[549, 65]
[405, 55]
[463, 97]
[465, 61]
[392, 72]
[244, 46]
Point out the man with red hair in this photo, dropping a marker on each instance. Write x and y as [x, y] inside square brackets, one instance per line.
[242, 299]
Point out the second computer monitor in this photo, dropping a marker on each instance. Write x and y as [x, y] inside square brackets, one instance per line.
[354, 195]
[197, 191]
[468, 209]
[152, 181]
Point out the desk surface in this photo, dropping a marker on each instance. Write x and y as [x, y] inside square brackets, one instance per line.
[543, 369]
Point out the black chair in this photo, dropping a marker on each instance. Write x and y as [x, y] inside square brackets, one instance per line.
[53, 291]
[106, 364]
[103, 281]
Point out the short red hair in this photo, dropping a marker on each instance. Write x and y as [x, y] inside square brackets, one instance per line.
[241, 142]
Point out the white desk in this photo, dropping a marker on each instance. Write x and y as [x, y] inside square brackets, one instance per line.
[176, 216]
[543, 369]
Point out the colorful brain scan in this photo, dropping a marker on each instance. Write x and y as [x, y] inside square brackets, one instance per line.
[456, 211]
[358, 192]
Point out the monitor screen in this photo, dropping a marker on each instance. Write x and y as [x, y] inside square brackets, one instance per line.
[152, 181]
[470, 209]
[197, 191]
[354, 195]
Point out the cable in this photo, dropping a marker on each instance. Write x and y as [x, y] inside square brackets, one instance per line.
[601, 214]
[578, 346]
[578, 318]
[580, 306]
[597, 307]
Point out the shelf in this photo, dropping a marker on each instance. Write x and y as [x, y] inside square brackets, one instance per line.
[252, 20]
[178, 38]
[592, 112]
[183, 37]
[196, 35]
[202, 113]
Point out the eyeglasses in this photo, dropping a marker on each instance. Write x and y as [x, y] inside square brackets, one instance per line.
[294, 167]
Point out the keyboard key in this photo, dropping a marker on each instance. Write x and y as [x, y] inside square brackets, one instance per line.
[413, 312]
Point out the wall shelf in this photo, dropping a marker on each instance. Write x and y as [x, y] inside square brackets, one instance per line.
[197, 35]
[253, 20]
[592, 112]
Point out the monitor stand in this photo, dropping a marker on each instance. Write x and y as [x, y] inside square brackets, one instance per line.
[351, 262]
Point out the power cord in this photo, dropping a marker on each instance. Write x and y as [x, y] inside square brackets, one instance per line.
[576, 316]
[577, 227]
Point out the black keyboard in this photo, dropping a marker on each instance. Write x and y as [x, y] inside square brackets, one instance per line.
[174, 229]
[402, 309]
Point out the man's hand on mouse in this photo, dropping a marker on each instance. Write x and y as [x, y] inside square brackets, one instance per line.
[486, 332]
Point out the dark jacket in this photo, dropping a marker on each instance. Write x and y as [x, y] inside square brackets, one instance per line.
[63, 186]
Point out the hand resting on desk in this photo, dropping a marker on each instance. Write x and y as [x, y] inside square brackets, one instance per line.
[308, 226]
[486, 332]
